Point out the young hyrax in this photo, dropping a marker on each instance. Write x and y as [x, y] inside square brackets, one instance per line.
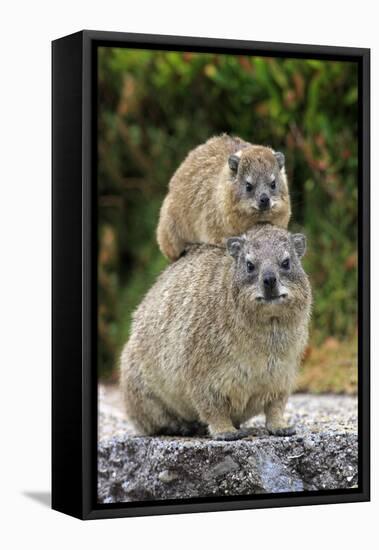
[223, 188]
[219, 337]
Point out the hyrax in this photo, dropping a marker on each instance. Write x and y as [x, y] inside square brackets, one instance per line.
[219, 337]
[223, 188]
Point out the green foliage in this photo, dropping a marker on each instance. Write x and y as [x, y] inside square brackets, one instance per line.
[156, 106]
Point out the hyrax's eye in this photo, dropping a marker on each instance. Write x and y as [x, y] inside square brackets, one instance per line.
[249, 187]
[250, 266]
[273, 184]
[286, 263]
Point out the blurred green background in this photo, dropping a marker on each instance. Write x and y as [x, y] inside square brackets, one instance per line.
[154, 106]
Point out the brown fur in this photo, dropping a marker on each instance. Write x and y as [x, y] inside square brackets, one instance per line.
[205, 203]
[206, 351]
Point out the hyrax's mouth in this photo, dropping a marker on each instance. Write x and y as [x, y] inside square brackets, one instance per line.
[262, 210]
[275, 299]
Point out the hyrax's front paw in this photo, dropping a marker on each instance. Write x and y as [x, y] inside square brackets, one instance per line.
[230, 436]
[281, 431]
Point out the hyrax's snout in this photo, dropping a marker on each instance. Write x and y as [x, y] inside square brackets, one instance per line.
[270, 284]
[264, 201]
[269, 280]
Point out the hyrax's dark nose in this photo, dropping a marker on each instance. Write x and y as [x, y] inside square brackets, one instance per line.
[269, 280]
[264, 201]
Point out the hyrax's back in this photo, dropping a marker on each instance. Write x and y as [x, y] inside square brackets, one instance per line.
[166, 326]
[190, 213]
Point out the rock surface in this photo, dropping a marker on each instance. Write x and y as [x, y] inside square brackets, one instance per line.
[322, 455]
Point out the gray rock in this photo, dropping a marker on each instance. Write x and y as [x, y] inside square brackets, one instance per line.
[223, 467]
[166, 476]
[322, 455]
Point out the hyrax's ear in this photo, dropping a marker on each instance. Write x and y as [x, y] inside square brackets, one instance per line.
[234, 246]
[300, 243]
[280, 158]
[233, 162]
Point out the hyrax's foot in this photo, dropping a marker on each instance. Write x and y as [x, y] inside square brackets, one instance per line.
[282, 431]
[230, 436]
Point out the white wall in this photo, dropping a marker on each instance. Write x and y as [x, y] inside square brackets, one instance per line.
[26, 31]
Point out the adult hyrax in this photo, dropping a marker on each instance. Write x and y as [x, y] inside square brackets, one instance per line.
[219, 337]
[223, 188]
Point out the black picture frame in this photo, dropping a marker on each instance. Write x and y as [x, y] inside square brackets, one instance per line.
[74, 294]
